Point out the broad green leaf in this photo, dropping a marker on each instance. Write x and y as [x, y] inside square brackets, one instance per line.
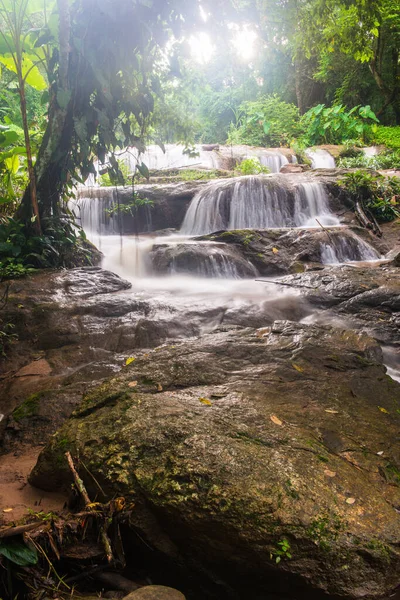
[6, 44]
[143, 170]
[18, 552]
[30, 71]
[8, 137]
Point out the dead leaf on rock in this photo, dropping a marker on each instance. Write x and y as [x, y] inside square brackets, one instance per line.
[275, 250]
[132, 383]
[383, 410]
[205, 401]
[297, 367]
[329, 473]
[159, 387]
[350, 500]
[276, 420]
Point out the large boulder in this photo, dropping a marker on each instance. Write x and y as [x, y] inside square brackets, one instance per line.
[201, 259]
[266, 460]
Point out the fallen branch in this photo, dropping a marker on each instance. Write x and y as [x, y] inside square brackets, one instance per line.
[326, 231]
[295, 285]
[10, 531]
[367, 222]
[82, 490]
[78, 481]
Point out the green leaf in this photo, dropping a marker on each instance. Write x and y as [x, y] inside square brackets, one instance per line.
[266, 127]
[29, 70]
[8, 137]
[143, 170]
[63, 97]
[18, 552]
[6, 44]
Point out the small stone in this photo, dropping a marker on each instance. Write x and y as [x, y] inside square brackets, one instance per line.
[155, 592]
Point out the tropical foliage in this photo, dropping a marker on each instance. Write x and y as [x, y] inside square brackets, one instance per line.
[336, 125]
[376, 193]
[266, 122]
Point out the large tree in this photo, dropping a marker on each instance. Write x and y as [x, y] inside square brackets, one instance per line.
[102, 83]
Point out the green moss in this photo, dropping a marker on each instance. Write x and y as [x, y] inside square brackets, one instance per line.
[241, 435]
[297, 267]
[392, 473]
[323, 458]
[291, 490]
[28, 408]
[324, 530]
[379, 549]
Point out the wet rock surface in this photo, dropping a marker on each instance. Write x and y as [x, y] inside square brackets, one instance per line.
[75, 329]
[366, 298]
[206, 260]
[238, 442]
[277, 252]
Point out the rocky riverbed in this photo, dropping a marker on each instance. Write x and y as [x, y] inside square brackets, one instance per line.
[253, 424]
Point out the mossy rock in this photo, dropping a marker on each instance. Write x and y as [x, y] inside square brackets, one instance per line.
[248, 447]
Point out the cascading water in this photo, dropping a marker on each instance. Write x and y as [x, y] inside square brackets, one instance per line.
[312, 206]
[201, 258]
[96, 210]
[273, 160]
[347, 247]
[258, 203]
[320, 159]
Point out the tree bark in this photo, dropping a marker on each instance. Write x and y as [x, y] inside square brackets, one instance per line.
[33, 201]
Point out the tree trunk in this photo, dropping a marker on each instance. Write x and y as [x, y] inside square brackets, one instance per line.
[51, 169]
[32, 191]
[298, 85]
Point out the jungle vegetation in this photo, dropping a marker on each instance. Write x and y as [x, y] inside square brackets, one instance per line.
[81, 80]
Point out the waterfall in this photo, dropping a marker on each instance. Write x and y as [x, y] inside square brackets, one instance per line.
[201, 258]
[320, 159]
[312, 206]
[273, 160]
[256, 203]
[213, 264]
[347, 247]
[93, 206]
[91, 211]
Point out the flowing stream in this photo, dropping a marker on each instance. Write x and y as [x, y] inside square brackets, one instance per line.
[207, 280]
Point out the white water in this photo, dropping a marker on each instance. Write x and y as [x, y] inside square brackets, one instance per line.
[273, 160]
[312, 206]
[347, 247]
[371, 151]
[257, 203]
[320, 159]
[174, 158]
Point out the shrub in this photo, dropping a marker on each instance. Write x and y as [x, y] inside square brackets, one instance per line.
[336, 125]
[376, 193]
[388, 136]
[386, 160]
[251, 166]
[266, 122]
